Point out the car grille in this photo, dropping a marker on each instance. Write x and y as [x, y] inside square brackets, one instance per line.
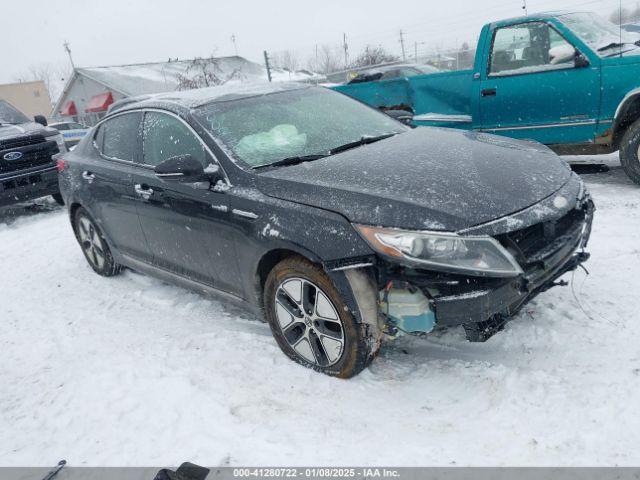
[35, 150]
[546, 244]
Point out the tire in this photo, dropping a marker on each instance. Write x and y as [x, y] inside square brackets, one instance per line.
[311, 323]
[629, 152]
[58, 198]
[93, 245]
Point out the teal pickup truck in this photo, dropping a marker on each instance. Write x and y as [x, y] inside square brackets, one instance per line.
[568, 80]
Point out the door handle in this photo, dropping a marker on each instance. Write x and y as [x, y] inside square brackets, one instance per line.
[88, 176]
[143, 191]
[489, 92]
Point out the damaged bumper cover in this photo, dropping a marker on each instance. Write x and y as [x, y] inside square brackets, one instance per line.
[545, 251]
[542, 268]
[481, 305]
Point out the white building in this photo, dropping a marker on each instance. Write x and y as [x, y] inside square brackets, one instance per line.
[89, 91]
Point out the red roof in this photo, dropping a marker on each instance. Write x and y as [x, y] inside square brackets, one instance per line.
[69, 109]
[100, 102]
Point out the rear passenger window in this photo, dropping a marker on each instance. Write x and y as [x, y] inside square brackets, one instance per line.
[119, 136]
[166, 136]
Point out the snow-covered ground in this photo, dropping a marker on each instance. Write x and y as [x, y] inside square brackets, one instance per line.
[133, 371]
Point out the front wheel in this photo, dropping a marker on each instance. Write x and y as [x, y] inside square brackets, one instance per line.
[311, 323]
[630, 152]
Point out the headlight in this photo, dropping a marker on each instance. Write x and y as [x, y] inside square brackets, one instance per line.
[444, 251]
[60, 141]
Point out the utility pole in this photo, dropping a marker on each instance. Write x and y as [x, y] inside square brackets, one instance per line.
[415, 51]
[346, 50]
[235, 45]
[404, 55]
[316, 57]
[524, 7]
[68, 50]
[266, 64]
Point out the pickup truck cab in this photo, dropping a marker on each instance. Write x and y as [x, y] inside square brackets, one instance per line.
[568, 80]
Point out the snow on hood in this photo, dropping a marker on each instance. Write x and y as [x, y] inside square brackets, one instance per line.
[425, 179]
[12, 131]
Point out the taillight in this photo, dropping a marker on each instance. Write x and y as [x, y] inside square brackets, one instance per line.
[61, 164]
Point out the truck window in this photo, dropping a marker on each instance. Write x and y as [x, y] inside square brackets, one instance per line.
[527, 48]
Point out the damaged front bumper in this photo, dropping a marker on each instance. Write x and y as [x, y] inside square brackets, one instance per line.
[545, 251]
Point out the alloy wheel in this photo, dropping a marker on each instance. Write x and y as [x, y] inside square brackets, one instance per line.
[309, 322]
[91, 242]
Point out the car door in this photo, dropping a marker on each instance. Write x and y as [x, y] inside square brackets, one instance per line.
[108, 176]
[532, 86]
[187, 226]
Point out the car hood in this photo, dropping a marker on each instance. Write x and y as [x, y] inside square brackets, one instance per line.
[12, 131]
[425, 179]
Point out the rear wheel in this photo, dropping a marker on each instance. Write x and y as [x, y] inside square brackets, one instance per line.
[630, 152]
[311, 322]
[94, 246]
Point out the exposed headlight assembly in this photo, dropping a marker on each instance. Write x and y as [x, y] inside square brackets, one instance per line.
[479, 255]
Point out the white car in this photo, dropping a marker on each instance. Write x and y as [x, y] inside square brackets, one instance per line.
[72, 132]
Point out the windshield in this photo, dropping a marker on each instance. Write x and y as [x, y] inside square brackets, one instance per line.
[597, 32]
[297, 123]
[9, 114]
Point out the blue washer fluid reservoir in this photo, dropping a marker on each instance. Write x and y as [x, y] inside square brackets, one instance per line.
[410, 311]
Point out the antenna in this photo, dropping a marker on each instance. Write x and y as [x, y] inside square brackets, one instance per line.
[620, 25]
[67, 49]
[524, 7]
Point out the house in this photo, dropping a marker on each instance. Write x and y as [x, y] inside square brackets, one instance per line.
[31, 98]
[89, 91]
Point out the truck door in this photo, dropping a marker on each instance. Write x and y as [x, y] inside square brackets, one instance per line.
[536, 85]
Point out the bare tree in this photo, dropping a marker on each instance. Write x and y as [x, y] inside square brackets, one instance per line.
[287, 60]
[53, 76]
[205, 72]
[329, 59]
[372, 55]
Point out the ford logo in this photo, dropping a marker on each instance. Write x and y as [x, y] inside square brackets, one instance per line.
[11, 156]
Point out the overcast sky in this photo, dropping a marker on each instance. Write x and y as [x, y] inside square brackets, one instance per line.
[111, 32]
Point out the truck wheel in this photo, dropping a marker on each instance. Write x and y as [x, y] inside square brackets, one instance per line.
[93, 244]
[58, 198]
[630, 152]
[311, 323]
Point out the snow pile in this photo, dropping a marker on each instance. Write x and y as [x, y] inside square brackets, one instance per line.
[133, 371]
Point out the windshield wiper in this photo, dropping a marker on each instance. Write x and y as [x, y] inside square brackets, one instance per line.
[358, 143]
[292, 160]
[618, 44]
[309, 158]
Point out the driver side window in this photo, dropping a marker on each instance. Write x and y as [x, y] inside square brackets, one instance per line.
[528, 48]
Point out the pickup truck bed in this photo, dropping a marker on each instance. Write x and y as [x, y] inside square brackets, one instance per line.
[437, 99]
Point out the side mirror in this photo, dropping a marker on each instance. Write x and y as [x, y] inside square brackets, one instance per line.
[41, 119]
[403, 116]
[181, 168]
[580, 61]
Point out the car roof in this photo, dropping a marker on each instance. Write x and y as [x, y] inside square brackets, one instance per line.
[188, 99]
